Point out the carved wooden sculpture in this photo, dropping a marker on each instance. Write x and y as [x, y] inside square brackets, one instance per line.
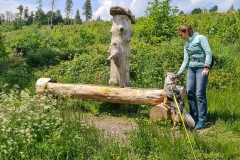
[119, 48]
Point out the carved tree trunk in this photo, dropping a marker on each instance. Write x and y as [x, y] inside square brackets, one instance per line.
[119, 48]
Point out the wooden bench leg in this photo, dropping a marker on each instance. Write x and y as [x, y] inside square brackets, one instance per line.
[159, 112]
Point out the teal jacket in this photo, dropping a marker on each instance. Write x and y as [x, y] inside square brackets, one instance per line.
[197, 53]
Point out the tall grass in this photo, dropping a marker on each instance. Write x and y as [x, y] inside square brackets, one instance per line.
[42, 127]
[39, 127]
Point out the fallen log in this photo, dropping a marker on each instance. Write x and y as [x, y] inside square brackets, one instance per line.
[112, 94]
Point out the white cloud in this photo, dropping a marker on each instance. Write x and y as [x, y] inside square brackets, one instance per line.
[105, 5]
[137, 7]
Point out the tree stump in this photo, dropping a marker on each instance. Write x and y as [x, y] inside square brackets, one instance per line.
[163, 110]
[160, 111]
[119, 48]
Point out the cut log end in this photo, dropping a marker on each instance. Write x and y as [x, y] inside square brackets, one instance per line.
[41, 84]
[160, 112]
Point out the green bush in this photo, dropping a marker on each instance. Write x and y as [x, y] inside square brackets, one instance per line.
[46, 58]
[160, 22]
[2, 47]
[28, 42]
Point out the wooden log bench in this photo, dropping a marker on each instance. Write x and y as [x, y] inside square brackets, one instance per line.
[111, 94]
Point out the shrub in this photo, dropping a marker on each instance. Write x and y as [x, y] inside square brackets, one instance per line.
[2, 47]
[46, 58]
[28, 42]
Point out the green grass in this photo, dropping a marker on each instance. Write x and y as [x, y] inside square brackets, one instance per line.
[41, 127]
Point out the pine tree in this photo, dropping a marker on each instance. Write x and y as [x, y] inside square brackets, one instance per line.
[20, 8]
[99, 18]
[87, 10]
[2, 47]
[2, 18]
[53, 4]
[39, 4]
[30, 18]
[58, 17]
[196, 11]
[68, 8]
[214, 9]
[77, 19]
[40, 15]
[231, 9]
[25, 13]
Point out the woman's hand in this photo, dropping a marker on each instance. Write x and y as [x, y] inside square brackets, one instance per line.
[205, 72]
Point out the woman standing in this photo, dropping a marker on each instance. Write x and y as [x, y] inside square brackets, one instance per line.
[197, 59]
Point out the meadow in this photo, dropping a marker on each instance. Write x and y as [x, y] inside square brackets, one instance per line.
[42, 127]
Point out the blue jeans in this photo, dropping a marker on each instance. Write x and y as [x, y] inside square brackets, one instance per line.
[196, 92]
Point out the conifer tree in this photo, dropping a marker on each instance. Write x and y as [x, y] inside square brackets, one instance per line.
[53, 4]
[58, 17]
[39, 4]
[30, 18]
[25, 13]
[26, 16]
[214, 9]
[68, 8]
[98, 18]
[2, 47]
[87, 10]
[20, 8]
[77, 19]
[231, 9]
[2, 18]
[40, 15]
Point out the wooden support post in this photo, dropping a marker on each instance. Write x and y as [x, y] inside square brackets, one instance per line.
[160, 111]
[163, 110]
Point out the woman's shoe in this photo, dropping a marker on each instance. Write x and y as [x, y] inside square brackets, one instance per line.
[200, 125]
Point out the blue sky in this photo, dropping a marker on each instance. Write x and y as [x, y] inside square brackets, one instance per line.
[101, 7]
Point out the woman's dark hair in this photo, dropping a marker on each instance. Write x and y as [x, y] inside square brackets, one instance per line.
[185, 28]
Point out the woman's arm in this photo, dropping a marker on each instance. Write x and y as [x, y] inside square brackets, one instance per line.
[207, 49]
[185, 63]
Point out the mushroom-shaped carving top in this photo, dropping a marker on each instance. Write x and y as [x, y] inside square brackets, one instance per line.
[122, 11]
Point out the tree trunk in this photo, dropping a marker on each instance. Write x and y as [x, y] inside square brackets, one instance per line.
[111, 94]
[119, 48]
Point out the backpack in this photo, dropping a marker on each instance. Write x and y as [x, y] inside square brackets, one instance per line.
[213, 61]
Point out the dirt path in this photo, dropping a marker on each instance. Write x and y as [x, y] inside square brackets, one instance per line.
[114, 127]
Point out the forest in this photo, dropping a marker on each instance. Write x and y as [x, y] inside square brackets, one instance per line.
[35, 126]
